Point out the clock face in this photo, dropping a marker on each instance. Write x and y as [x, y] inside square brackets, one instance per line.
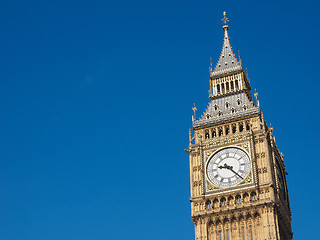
[228, 167]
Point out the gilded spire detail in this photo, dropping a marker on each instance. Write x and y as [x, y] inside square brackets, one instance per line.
[225, 20]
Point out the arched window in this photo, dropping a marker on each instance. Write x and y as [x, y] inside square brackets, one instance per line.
[218, 88]
[213, 133]
[227, 104]
[222, 88]
[253, 196]
[227, 130]
[208, 115]
[234, 128]
[247, 126]
[206, 135]
[215, 107]
[238, 199]
[244, 107]
[238, 101]
[220, 132]
[223, 202]
[208, 205]
[220, 113]
[236, 83]
[231, 85]
[233, 110]
[227, 86]
[227, 233]
[240, 127]
[243, 234]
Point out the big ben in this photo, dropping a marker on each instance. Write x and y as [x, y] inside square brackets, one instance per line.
[237, 173]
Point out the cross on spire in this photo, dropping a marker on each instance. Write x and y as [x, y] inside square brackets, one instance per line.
[225, 20]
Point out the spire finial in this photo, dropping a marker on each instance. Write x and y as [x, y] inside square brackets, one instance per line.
[194, 112]
[256, 96]
[271, 128]
[225, 20]
[194, 109]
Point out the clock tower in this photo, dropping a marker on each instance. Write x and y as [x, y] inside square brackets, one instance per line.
[237, 173]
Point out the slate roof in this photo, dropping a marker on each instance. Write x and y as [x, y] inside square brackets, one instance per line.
[228, 107]
[227, 61]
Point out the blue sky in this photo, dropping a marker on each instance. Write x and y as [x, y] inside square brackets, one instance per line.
[96, 101]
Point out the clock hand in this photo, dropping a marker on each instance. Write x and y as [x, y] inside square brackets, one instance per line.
[230, 168]
[235, 172]
[225, 166]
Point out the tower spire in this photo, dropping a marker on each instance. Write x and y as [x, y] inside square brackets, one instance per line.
[227, 61]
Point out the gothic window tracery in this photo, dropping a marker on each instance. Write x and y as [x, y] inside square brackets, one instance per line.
[227, 130]
[238, 199]
[208, 205]
[222, 88]
[223, 202]
[240, 127]
[247, 126]
[213, 133]
[243, 233]
[253, 196]
[234, 128]
[206, 134]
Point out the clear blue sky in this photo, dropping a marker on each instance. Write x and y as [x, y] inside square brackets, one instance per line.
[96, 101]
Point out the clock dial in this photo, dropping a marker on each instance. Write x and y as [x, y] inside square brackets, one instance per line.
[228, 167]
